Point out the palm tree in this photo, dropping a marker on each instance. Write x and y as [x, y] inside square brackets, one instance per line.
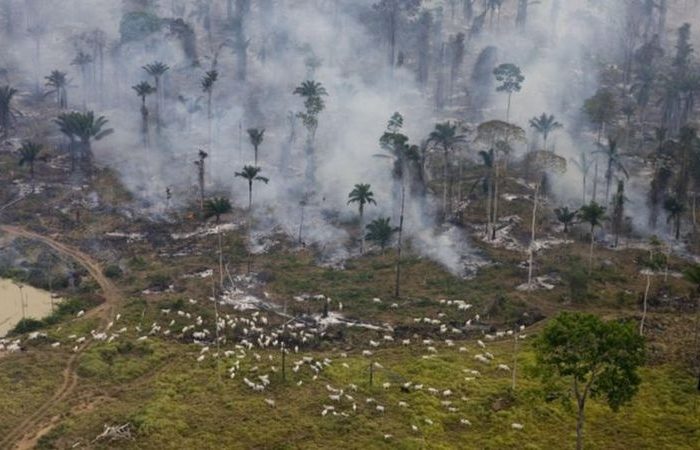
[674, 210]
[584, 165]
[565, 217]
[157, 69]
[380, 232]
[6, 112]
[593, 214]
[362, 195]
[256, 137]
[251, 174]
[545, 125]
[216, 207]
[692, 274]
[83, 60]
[143, 90]
[83, 128]
[208, 82]
[58, 82]
[446, 138]
[201, 171]
[614, 163]
[312, 92]
[29, 153]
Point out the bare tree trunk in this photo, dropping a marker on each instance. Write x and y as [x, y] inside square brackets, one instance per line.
[580, 421]
[488, 208]
[398, 247]
[515, 356]
[590, 251]
[495, 205]
[532, 237]
[644, 310]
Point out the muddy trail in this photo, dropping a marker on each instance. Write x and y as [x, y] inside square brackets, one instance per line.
[24, 435]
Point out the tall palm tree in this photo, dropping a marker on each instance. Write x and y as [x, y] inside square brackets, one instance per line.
[251, 174]
[445, 137]
[83, 60]
[157, 69]
[362, 195]
[565, 217]
[674, 210]
[29, 153]
[58, 82]
[7, 113]
[312, 92]
[593, 214]
[83, 128]
[380, 232]
[544, 125]
[584, 164]
[256, 138]
[216, 207]
[143, 90]
[614, 163]
[692, 274]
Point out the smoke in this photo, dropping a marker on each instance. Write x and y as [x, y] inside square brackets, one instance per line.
[289, 42]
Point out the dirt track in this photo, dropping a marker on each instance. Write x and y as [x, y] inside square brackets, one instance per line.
[24, 435]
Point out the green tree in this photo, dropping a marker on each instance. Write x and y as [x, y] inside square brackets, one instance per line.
[593, 214]
[29, 153]
[143, 90]
[380, 232]
[157, 70]
[600, 109]
[312, 92]
[612, 154]
[251, 174]
[498, 137]
[216, 207]
[256, 138]
[565, 217]
[511, 79]
[82, 129]
[674, 211]
[58, 82]
[544, 125]
[600, 360]
[362, 195]
[446, 138]
[7, 113]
